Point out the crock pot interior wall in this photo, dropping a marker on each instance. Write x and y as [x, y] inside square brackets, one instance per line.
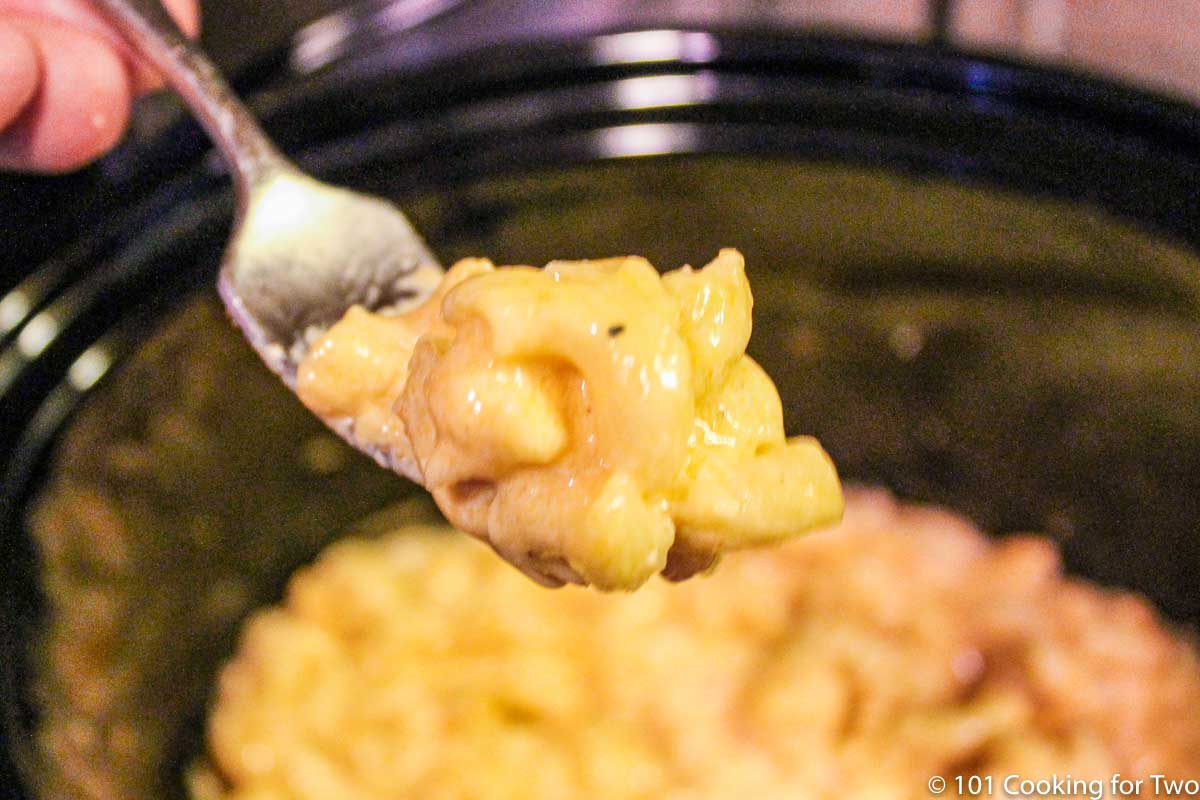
[1032, 362]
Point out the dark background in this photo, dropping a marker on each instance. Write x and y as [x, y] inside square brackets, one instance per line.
[237, 31]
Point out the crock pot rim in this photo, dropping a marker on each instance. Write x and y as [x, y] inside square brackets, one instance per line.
[1024, 89]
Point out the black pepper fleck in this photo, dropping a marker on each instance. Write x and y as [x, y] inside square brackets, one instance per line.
[616, 330]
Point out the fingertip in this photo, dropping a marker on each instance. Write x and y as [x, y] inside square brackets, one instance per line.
[144, 77]
[81, 108]
[19, 72]
[187, 16]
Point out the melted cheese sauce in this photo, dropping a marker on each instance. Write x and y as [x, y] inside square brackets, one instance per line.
[849, 666]
[593, 421]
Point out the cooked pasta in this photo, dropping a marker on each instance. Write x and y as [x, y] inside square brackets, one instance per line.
[850, 665]
[594, 422]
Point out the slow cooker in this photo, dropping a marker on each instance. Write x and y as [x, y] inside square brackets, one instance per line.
[976, 281]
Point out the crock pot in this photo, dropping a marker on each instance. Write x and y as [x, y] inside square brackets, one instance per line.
[976, 281]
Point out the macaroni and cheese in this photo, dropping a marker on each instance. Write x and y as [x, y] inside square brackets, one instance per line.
[593, 421]
[853, 665]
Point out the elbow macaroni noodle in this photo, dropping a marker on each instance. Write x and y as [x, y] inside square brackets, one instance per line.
[594, 421]
[852, 666]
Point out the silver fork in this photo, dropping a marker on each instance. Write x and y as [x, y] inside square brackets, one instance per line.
[302, 252]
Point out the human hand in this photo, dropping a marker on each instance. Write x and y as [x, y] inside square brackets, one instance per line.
[67, 80]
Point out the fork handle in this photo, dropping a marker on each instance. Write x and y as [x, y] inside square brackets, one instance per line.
[153, 34]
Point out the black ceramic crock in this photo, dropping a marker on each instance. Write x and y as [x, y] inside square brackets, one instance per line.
[976, 281]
